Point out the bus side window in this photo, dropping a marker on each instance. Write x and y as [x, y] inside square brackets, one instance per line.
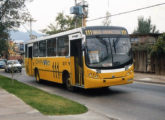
[35, 49]
[51, 47]
[63, 46]
[42, 48]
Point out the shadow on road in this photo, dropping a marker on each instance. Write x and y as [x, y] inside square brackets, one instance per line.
[110, 91]
[85, 92]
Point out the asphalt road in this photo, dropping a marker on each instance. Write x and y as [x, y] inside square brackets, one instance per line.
[136, 101]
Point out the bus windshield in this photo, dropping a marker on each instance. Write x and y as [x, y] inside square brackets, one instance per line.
[108, 51]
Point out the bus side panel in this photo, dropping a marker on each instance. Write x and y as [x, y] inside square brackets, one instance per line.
[72, 69]
[51, 68]
[28, 66]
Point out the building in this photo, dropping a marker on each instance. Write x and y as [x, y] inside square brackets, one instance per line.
[16, 50]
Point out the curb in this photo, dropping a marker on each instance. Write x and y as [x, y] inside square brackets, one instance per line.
[102, 114]
[160, 83]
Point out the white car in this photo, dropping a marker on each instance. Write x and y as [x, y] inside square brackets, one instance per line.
[13, 66]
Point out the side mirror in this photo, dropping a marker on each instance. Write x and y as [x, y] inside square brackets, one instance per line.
[83, 47]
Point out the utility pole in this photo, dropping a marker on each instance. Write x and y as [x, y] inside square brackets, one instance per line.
[75, 2]
[107, 20]
[108, 5]
[30, 22]
[76, 15]
[80, 10]
[84, 15]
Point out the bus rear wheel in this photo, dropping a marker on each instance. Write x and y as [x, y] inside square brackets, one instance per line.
[37, 76]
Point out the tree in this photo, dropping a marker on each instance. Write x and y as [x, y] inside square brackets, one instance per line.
[12, 14]
[158, 49]
[145, 26]
[107, 20]
[62, 23]
[3, 41]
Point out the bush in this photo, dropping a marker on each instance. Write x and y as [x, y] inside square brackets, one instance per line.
[158, 49]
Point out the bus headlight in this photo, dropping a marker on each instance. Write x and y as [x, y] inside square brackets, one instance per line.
[128, 73]
[96, 76]
[90, 75]
[93, 75]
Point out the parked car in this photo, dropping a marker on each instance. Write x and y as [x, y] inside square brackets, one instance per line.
[2, 64]
[5, 60]
[13, 66]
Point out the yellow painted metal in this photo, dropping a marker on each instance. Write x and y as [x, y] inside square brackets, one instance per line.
[72, 66]
[51, 69]
[28, 66]
[107, 79]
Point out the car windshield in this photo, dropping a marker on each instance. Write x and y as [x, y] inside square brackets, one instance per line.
[12, 62]
[108, 51]
[2, 63]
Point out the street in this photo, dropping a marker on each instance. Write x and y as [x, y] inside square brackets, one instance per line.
[137, 101]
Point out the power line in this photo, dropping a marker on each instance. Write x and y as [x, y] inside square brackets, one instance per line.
[127, 12]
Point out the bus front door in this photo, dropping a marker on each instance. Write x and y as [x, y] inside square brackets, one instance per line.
[76, 52]
[30, 72]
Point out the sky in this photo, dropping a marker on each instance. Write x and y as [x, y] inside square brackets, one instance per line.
[45, 12]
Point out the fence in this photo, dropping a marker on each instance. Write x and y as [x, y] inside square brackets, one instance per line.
[143, 62]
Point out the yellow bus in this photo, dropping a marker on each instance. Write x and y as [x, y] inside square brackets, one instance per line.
[88, 57]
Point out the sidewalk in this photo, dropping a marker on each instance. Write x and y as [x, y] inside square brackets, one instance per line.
[149, 78]
[12, 108]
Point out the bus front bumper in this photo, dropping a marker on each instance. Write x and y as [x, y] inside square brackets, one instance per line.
[99, 83]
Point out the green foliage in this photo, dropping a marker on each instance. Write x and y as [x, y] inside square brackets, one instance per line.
[141, 47]
[12, 14]
[3, 48]
[62, 23]
[107, 20]
[145, 26]
[46, 103]
[3, 41]
[158, 49]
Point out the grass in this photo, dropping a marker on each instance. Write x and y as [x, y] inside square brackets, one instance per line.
[48, 104]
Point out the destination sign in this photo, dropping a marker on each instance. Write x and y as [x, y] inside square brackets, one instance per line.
[105, 32]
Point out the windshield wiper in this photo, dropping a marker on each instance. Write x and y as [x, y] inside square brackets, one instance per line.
[115, 43]
[116, 63]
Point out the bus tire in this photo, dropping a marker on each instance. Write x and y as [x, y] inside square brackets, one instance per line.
[105, 88]
[37, 76]
[67, 81]
[68, 85]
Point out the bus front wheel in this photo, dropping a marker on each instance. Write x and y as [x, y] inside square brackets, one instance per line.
[68, 84]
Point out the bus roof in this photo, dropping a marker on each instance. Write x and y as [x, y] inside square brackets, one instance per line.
[104, 27]
[55, 35]
[80, 30]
